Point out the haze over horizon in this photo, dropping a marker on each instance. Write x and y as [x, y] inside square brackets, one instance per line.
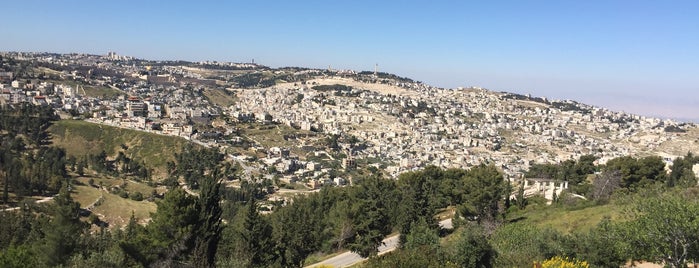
[633, 56]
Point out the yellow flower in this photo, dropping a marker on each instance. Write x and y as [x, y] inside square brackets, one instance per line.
[559, 262]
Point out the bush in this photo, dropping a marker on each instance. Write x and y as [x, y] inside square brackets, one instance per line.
[93, 219]
[154, 194]
[123, 194]
[521, 244]
[473, 249]
[136, 196]
[537, 200]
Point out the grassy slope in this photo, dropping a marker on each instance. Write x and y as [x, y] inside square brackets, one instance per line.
[220, 98]
[80, 138]
[114, 209]
[567, 220]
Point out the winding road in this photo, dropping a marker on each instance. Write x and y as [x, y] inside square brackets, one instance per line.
[389, 244]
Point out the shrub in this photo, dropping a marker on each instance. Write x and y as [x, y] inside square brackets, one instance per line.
[137, 196]
[94, 219]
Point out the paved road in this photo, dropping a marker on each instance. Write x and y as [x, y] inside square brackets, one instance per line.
[389, 244]
[43, 200]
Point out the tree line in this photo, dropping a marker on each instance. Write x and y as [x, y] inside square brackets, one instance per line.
[224, 226]
[28, 165]
[626, 172]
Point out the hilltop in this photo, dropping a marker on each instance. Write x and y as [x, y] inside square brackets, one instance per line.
[414, 125]
[370, 118]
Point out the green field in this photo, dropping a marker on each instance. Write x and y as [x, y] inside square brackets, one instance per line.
[81, 138]
[114, 209]
[566, 219]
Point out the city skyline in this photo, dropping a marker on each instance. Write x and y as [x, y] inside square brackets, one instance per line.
[632, 56]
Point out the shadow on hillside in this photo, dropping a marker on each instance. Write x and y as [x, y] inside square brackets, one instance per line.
[521, 218]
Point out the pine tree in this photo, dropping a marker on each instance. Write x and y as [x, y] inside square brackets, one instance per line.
[255, 237]
[208, 228]
[171, 229]
[64, 230]
[6, 183]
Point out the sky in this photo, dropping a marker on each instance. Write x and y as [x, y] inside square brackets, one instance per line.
[634, 56]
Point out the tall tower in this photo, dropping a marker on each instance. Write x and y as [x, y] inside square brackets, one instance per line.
[376, 70]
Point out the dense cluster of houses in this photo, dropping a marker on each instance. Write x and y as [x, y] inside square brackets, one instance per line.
[427, 126]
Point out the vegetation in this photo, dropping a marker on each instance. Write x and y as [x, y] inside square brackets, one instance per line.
[558, 262]
[636, 212]
[665, 229]
[82, 139]
[573, 171]
[220, 97]
[28, 165]
[256, 79]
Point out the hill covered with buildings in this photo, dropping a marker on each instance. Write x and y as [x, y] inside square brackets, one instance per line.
[342, 117]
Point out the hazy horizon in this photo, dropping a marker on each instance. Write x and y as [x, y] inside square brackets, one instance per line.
[634, 56]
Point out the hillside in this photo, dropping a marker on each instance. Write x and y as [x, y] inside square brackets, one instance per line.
[404, 123]
[81, 138]
[110, 207]
[411, 125]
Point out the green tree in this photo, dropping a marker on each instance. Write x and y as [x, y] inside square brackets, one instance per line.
[636, 173]
[18, 257]
[63, 233]
[371, 202]
[520, 200]
[420, 196]
[665, 229]
[4, 158]
[411, 258]
[545, 171]
[485, 189]
[473, 249]
[18, 226]
[341, 222]
[171, 229]
[682, 173]
[603, 246]
[208, 227]
[297, 231]
[255, 237]
[421, 235]
[80, 168]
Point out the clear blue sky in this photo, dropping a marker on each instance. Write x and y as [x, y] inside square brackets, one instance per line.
[635, 56]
